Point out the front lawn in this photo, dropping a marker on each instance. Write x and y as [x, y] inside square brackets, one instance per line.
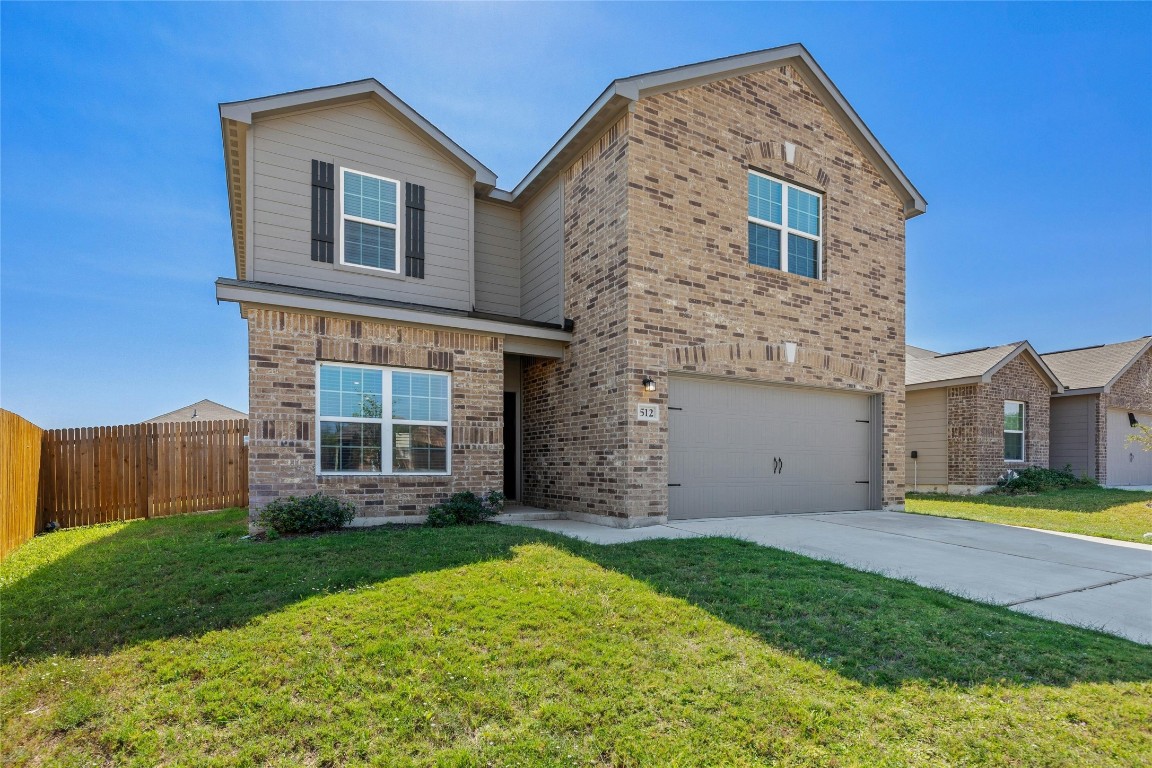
[176, 642]
[1104, 512]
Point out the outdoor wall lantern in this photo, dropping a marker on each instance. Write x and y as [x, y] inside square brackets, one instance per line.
[649, 384]
[1132, 422]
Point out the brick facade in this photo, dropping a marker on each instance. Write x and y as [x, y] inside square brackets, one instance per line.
[657, 280]
[976, 425]
[284, 349]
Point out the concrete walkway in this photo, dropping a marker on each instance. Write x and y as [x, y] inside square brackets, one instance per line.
[1097, 583]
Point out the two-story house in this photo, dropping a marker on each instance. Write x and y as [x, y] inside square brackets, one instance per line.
[693, 305]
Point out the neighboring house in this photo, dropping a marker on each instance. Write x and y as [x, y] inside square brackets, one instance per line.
[1108, 390]
[692, 305]
[204, 410]
[973, 415]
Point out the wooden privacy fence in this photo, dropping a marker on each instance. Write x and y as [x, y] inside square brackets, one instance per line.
[101, 474]
[20, 442]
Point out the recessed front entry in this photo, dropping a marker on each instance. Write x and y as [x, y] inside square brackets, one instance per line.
[739, 448]
[511, 446]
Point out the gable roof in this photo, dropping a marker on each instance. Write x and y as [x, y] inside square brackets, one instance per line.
[1096, 367]
[204, 410]
[973, 366]
[621, 93]
[266, 106]
[918, 352]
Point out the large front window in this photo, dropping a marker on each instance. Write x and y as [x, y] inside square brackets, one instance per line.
[1013, 430]
[783, 226]
[368, 220]
[382, 420]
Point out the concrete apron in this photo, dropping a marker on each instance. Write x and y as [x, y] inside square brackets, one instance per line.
[1097, 583]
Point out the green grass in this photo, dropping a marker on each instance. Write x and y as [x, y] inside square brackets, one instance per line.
[175, 642]
[1104, 512]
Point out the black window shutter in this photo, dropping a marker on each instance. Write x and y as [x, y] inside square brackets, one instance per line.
[414, 230]
[323, 211]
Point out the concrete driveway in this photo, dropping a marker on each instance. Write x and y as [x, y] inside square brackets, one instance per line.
[1097, 583]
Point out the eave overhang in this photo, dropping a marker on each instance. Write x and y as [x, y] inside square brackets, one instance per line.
[521, 336]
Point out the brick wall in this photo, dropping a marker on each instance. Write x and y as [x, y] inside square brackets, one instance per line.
[694, 301]
[1018, 380]
[575, 442]
[963, 435]
[284, 348]
[657, 279]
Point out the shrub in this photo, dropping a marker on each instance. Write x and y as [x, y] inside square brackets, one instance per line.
[465, 508]
[1040, 479]
[317, 512]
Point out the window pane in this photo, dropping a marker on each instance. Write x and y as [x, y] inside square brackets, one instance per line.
[419, 396]
[419, 448]
[369, 245]
[764, 199]
[349, 447]
[763, 246]
[369, 198]
[354, 392]
[1014, 416]
[803, 211]
[801, 256]
[1014, 446]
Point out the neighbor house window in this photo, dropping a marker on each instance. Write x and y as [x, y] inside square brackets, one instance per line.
[382, 420]
[783, 226]
[368, 220]
[1013, 430]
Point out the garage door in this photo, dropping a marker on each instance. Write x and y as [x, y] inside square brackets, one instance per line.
[753, 449]
[1128, 463]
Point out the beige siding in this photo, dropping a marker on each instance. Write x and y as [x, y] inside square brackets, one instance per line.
[1072, 434]
[497, 259]
[541, 248]
[360, 136]
[928, 436]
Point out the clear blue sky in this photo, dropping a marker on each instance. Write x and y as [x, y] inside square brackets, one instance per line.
[1028, 127]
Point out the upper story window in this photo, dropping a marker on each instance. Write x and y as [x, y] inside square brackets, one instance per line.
[1013, 430]
[783, 226]
[383, 421]
[368, 220]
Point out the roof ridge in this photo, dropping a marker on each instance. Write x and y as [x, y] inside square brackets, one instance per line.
[1096, 346]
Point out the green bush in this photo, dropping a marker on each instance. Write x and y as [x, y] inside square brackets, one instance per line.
[465, 508]
[1040, 479]
[317, 512]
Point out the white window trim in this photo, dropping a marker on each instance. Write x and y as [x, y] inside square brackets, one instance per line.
[786, 230]
[1023, 431]
[348, 217]
[386, 422]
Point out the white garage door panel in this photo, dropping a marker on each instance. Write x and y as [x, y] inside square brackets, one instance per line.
[1128, 463]
[723, 437]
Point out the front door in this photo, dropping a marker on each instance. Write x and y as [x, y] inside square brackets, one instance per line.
[511, 448]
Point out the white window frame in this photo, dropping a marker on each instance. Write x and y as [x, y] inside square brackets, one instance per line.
[1023, 431]
[786, 230]
[386, 422]
[373, 222]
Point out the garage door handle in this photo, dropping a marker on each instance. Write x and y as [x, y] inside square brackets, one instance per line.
[863, 481]
[673, 485]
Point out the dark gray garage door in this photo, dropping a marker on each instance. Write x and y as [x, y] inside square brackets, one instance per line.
[753, 449]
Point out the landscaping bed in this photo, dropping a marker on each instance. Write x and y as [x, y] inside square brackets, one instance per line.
[176, 641]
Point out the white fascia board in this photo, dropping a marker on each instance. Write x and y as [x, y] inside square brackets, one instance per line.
[945, 383]
[247, 294]
[246, 111]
